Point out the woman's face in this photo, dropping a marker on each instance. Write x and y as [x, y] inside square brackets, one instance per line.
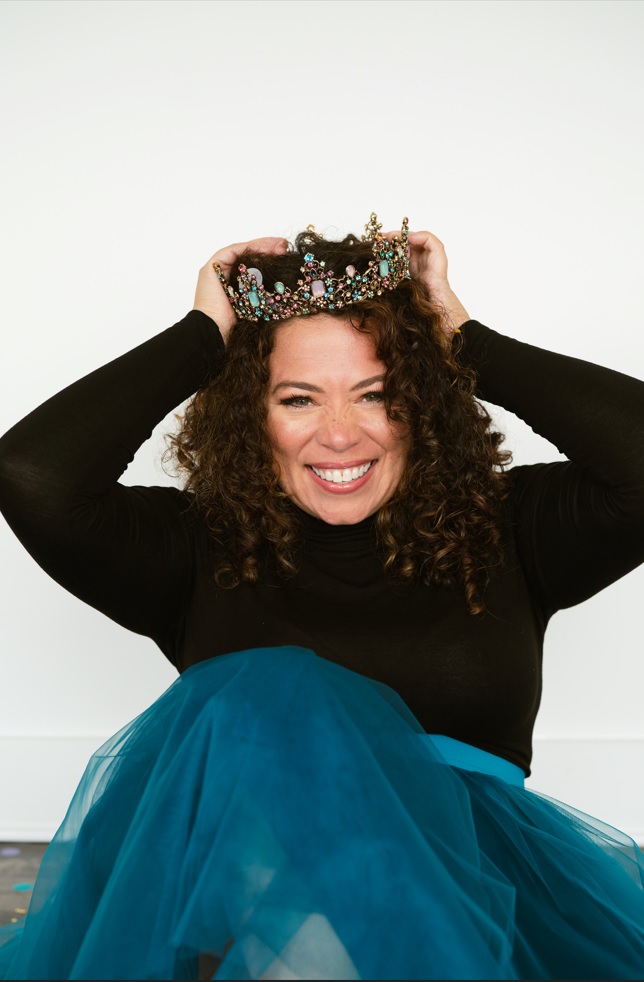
[338, 455]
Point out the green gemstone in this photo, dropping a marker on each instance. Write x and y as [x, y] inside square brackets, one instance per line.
[279, 288]
[383, 267]
[254, 299]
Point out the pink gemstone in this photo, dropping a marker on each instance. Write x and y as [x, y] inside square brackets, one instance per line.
[308, 279]
[350, 271]
[317, 288]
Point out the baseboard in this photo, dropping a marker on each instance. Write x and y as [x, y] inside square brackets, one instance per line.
[38, 775]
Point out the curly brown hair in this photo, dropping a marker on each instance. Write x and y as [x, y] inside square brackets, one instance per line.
[442, 526]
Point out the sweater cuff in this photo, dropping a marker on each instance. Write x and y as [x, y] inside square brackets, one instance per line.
[214, 347]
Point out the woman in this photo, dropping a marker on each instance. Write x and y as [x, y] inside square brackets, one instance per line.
[355, 593]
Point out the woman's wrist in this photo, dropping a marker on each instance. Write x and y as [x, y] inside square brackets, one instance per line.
[455, 313]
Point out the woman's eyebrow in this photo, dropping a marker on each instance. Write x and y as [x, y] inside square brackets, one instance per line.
[314, 388]
[296, 385]
[368, 381]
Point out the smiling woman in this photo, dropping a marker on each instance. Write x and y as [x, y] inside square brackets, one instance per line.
[355, 593]
[435, 485]
[338, 455]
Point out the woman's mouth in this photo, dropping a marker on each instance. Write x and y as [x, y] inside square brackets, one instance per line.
[344, 475]
[341, 479]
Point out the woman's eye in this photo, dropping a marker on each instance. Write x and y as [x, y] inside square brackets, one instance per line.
[297, 401]
[376, 397]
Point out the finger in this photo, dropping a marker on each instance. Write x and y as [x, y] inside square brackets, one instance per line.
[426, 240]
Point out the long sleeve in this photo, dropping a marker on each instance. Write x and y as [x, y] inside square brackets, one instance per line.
[126, 551]
[579, 524]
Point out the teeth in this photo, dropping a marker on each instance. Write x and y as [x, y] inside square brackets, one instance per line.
[341, 477]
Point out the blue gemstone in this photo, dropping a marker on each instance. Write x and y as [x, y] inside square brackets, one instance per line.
[279, 288]
[308, 257]
[331, 306]
[254, 299]
[307, 296]
[383, 267]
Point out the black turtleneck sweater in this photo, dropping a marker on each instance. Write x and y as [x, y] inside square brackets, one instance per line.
[141, 555]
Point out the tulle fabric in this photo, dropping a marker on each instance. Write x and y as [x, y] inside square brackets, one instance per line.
[274, 815]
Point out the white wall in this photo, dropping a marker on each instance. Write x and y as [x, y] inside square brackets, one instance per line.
[138, 137]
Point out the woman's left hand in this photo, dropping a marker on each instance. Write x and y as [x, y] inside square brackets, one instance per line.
[428, 263]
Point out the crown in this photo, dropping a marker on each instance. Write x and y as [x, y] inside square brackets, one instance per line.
[319, 288]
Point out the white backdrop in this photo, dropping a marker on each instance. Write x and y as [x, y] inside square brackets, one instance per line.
[139, 137]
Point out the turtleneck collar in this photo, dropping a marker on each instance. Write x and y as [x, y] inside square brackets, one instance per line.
[318, 531]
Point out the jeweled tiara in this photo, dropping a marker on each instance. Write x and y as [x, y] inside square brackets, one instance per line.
[319, 288]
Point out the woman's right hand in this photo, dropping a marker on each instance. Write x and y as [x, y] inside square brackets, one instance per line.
[210, 296]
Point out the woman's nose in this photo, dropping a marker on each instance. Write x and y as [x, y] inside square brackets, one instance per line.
[338, 432]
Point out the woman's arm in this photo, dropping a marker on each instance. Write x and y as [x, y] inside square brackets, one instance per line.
[126, 551]
[580, 524]
[129, 552]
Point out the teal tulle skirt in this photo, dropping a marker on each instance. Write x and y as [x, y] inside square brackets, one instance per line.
[276, 816]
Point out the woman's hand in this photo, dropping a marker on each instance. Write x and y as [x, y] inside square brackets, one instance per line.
[210, 296]
[428, 263]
